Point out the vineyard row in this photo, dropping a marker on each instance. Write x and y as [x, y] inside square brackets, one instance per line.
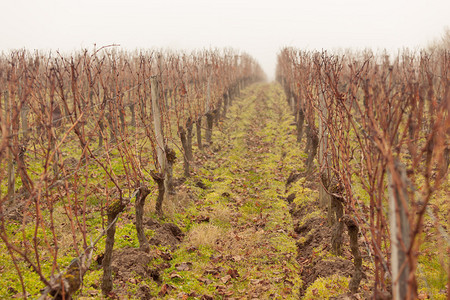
[82, 135]
[379, 127]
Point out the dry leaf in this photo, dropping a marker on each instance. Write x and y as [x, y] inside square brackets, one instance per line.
[175, 275]
[233, 273]
[186, 266]
[205, 280]
[225, 279]
[165, 289]
[237, 258]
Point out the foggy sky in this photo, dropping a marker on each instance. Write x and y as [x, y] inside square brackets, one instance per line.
[260, 28]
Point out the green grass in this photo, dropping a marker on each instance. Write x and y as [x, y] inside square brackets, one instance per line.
[324, 288]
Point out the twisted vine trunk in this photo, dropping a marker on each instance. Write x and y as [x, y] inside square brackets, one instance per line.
[311, 148]
[170, 158]
[189, 128]
[112, 126]
[112, 212]
[337, 209]
[66, 284]
[300, 121]
[225, 104]
[185, 146]
[334, 192]
[353, 230]
[159, 179]
[217, 112]
[198, 126]
[133, 114]
[139, 205]
[100, 136]
[209, 126]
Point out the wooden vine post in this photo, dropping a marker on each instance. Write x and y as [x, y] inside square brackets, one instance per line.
[198, 127]
[225, 104]
[400, 230]
[24, 118]
[324, 198]
[160, 177]
[300, 117]
[292, 101]
[208, 112]
[189, 128]
[330, 182]
[11, 162]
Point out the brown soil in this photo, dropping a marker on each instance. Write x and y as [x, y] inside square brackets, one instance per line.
[131, 264]
[314, 241]
[318, 236]
[314, 236]
[166, 234]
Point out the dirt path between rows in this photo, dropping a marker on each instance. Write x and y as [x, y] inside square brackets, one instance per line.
[238, 228]
[243, 217]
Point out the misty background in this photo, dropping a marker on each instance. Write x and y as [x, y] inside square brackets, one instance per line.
[260, 28]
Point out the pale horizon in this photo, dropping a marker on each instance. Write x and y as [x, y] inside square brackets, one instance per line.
[259, 28]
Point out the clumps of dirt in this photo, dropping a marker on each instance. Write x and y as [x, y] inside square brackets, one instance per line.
[129, 262]
[290, 198]
[176, 182]
[293, 177]
[314, 236]
[299, 211]
[201, 185]
[166, 234]
[310, 179]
